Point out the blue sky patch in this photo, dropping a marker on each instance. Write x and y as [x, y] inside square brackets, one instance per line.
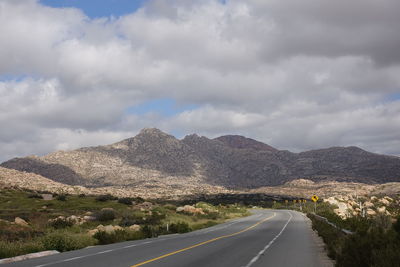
[98, 8]
[164, 106]
[393, 97]
[12, 77]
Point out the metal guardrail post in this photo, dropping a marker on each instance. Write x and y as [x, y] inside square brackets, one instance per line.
[345, 231]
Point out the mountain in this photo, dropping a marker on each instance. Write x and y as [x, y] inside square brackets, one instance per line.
[155, 160]
[241, 142]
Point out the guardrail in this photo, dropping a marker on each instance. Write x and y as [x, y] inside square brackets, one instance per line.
[345, 231]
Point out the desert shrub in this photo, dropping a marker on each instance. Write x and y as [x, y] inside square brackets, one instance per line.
[104, 198]
[210, 216]
[155, 218]
[13, 232]
[81, 195]
[376, 247]
[125, 200]
[132, 218]
[179, 227]
[203, 225]
[396, 226]
[64, 241]
[170, 207]
[138, 200]
[333, 238]
[134, 235]
[12, 249]
[357, 223]
[59, 223]
[206, 207]
[109, 238]
[61, 197]
[150, 231]
[105, 215]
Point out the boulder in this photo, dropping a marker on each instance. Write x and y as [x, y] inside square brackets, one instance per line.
[89, 218]
[388, 198]
[382, 209]
[341, 210]
[368, 204]
[105, 209]
[74, 219]
[93, 232]
[384, 201]
[109, 228]
[47, 196]
[20, 221]
[371, 212]
[134, 227]
[331, 200]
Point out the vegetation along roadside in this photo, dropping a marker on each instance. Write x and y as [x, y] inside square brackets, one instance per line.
[32, 221]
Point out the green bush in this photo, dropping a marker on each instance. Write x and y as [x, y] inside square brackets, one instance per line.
[374, 243]
[138, 200]
[125, 200]
[150, 231]
[333, 238]
[396, 226]
[170, 207]
[109, 238]
[373, 248]
[64, 241]
[105, 215]
[179, 227]
[203, 225]
[15, 233]
[61, 197]
[104, 198]
[12, 249]
[132, 217]
[155, 218]
[59, 223]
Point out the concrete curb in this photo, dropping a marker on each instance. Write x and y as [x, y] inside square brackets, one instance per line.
[29, 256]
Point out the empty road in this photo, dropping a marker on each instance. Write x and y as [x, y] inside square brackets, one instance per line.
[266, 238]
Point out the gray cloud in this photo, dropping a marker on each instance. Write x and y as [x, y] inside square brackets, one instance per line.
[297, 75]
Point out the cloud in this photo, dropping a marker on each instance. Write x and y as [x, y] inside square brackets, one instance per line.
[295, 75]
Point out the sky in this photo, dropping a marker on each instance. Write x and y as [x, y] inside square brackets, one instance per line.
[297, 75]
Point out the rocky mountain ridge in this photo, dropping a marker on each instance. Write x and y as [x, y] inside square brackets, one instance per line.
[153, 159]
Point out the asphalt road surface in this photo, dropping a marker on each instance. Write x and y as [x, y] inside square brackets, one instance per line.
[266, 238]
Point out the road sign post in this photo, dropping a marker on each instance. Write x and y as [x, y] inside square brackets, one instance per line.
[315, 199]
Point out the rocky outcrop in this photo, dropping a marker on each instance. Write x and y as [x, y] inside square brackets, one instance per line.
[21, 222]
[351, 205]
[190, 209]
[241, 142]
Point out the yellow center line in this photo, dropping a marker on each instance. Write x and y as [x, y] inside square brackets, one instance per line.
[203, 243]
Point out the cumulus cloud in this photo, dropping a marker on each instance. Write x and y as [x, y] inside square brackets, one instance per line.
[295, 75]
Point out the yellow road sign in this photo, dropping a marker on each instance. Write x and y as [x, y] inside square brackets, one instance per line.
[314, 198]
[304, 200]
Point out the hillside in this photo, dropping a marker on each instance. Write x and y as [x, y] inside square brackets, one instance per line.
[154, 159]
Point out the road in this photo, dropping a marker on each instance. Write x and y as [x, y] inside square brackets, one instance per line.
[266, 238]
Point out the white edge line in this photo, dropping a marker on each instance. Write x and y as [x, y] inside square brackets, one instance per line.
[253, 260]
